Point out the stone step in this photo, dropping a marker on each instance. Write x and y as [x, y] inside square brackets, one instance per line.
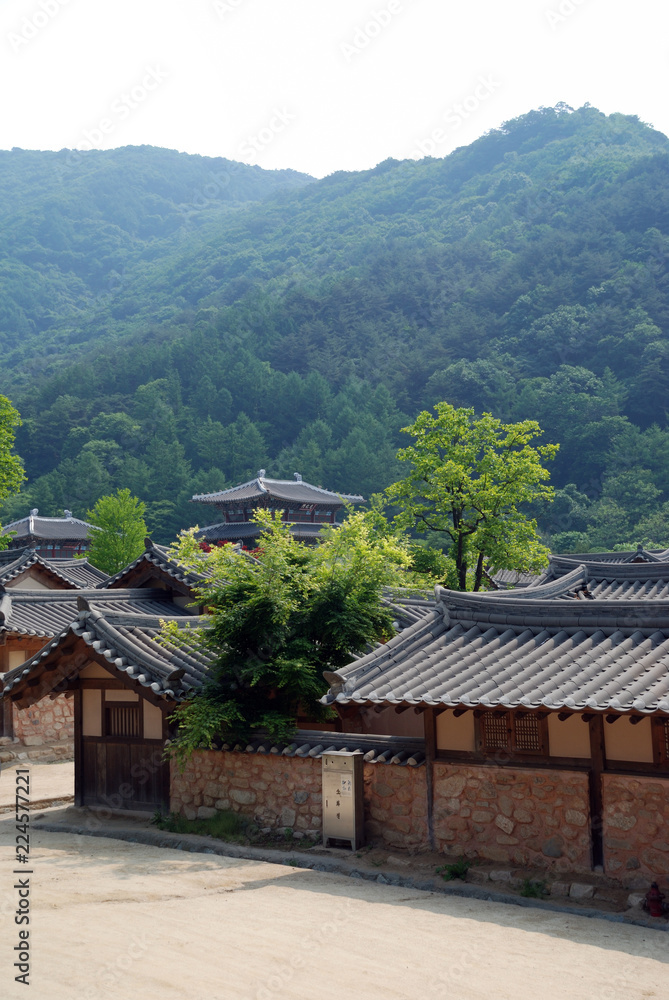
[46, 753]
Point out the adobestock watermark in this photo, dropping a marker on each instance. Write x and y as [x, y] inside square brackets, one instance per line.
[254, 145]
[366, 32]
[456, 115]
[33, 24]
[224, 7]
[562, 12]
[120, 109]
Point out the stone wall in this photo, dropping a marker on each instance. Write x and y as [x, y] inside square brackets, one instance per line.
[46, 722]
[396, 805]
[636, 826]
[285, 792]
[278, 792]
[521, 817]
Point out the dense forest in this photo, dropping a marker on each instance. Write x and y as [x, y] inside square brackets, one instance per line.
[173, 323]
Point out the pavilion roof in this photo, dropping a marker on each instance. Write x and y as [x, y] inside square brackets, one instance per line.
[286, 491]
[54, 529]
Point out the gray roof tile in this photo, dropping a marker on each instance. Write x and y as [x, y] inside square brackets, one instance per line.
[499, 650]
[49, 528]
[283, 490]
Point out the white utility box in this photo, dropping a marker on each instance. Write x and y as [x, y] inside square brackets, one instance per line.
[343, 803]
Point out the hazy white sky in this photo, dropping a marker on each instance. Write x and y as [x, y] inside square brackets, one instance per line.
[317, 85]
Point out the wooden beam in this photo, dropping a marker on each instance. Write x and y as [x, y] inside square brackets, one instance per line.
[429, 722]
[457, 712]
[78, 762]
[402, 708]
[597, 766]
[636, 719]
[612, 718]
[419, 709]
[588, 716]
[563, 716]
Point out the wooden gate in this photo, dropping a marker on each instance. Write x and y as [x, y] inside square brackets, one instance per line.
[118, 774]
[119, 750]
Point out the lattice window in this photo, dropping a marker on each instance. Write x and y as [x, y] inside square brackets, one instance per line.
[665, 733]
[122, 720]
[495, 731]
[527, 733]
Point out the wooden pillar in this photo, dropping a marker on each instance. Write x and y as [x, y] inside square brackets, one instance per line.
[430, 723]
[597, 764]
[6, 717]
[78, 762]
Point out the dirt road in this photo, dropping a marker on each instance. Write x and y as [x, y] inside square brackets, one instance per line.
[116, 920]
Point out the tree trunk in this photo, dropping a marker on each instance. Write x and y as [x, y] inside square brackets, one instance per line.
[479, 572]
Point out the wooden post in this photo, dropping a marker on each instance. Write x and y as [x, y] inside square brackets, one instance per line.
[78, 762]
[597, 764]
[430, 722]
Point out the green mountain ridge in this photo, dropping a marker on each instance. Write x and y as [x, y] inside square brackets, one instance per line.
[174, 342]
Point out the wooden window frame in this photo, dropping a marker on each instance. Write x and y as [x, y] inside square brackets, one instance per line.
[510, 720]
[109, 706]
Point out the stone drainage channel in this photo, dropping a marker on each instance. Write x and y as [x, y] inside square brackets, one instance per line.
[341, 866]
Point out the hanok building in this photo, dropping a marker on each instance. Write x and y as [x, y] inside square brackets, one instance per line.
[125, 685]
[31, 618]
[305, 507]
[545, 713]
[50, 536]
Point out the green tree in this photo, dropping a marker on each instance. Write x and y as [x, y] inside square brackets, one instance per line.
[11, 467]
[120, 539]
[469, 479]
[277, 622]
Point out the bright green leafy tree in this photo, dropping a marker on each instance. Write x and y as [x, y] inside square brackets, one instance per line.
[279, 619]
[11, 467]
[120, 518]
[469, 478]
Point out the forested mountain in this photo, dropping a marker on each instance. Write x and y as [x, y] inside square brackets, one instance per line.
[172, 337]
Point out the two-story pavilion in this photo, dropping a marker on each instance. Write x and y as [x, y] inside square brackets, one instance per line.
[56, 537]
[305, 507]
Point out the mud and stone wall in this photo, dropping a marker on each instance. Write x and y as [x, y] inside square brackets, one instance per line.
[636, 826]
[516, 817]
[521, 817]
[285, 793]
[45, 722]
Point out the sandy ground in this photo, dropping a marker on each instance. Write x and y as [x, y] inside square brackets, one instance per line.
[117, 920]
[47, 781]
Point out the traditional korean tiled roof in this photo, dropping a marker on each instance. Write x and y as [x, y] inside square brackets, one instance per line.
[125, 643]
[49, 528]
[289, 491]
[66, 573]
[155, 561]
[504, 578]
[408, 607]
[506, 650]
[45, 613]
[406, 751]
[612, 581]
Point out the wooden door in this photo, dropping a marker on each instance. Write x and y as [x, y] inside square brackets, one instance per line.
[120, 768]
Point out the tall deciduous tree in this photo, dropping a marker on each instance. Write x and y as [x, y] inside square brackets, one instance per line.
[469, 479]
[11, 467]
[120, 518]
